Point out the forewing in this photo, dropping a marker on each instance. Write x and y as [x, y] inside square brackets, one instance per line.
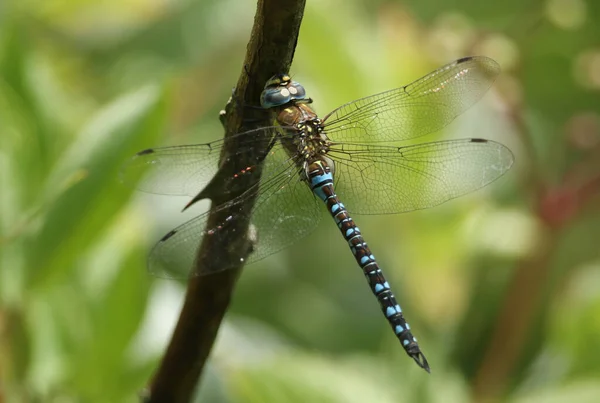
[422, 107]
[185, 170]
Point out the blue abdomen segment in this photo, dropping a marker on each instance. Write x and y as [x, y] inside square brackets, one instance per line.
[321, 183]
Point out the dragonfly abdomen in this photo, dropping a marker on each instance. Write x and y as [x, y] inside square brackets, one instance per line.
[321, 182]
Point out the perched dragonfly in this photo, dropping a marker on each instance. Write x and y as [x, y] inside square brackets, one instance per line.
[307, 159]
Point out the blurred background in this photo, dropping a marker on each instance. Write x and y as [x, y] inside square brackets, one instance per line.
[501, 287]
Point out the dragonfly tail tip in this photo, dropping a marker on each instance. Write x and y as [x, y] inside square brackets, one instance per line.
[421, 361]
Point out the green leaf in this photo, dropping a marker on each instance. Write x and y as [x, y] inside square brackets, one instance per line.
[85, 184]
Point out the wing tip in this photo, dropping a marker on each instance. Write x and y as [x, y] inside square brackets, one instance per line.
[491, 66]
[464, 59]
[168, 235]
[479, 140]
[145, 152]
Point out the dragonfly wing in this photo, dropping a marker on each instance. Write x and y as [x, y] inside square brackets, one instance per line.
[284, 211]
[185, 170]
[384, 179]
[422, 107]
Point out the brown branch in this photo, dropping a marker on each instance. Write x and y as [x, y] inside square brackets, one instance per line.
[270, 51]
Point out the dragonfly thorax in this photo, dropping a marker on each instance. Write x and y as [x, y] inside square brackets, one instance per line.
[312, 141]
[300, 122]
[302, 134]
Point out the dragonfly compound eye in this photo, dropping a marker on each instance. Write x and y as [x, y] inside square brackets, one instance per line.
[296, 90]
[277, 96]
[280, 90]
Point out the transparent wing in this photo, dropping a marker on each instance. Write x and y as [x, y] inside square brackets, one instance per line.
[373, 179]
[185, 170]
[422, 107]
[285, 210]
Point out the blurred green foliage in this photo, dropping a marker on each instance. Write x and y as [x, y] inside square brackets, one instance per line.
[501, 286]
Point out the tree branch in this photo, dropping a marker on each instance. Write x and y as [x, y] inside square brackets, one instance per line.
[270, 51]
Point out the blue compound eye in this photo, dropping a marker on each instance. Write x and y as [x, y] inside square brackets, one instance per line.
[279, 90]
[296, 90]
[276, 96]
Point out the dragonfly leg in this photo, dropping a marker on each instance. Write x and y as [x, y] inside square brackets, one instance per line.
[245, 107]
[223, 112]
[304, 101]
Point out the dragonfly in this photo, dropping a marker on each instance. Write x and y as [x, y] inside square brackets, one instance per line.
[306, 160]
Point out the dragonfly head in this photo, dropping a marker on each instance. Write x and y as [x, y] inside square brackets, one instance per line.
[279, 90]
